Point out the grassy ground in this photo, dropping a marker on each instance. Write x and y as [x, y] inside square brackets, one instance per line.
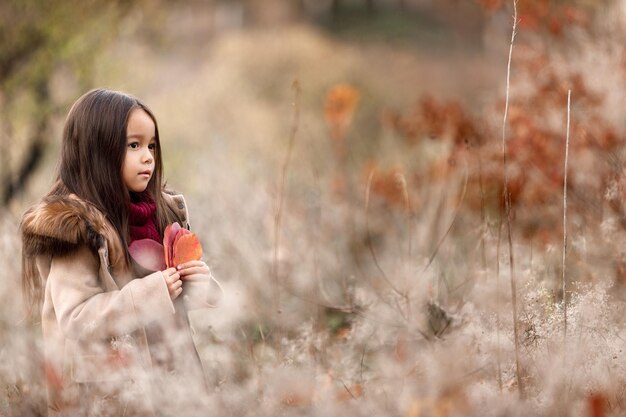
[375, 294]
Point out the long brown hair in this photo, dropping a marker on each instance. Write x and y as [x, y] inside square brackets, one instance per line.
[93, 151]
[90, 166]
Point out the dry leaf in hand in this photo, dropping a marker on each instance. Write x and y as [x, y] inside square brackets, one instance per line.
[180, 246]
[148, 254]
[186, 248]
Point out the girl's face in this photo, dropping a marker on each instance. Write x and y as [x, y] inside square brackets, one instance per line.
[140, 151]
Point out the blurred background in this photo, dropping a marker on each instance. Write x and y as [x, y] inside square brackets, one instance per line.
[342, 160]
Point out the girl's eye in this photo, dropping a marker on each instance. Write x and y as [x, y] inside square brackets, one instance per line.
[133, 145]
[152, 146]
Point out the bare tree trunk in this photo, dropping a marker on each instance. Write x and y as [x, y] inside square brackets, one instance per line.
[13, 184]
[335, 8]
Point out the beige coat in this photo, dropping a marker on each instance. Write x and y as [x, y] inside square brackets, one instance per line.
[115, 343]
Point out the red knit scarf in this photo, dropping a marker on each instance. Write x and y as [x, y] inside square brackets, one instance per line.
[142, 219]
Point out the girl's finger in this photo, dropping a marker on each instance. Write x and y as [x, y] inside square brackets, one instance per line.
[169, 271]
[173, 288]
[173, 278]
[193, 271]
[190, 264]
[175, 285]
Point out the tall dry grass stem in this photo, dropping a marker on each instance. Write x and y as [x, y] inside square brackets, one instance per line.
[295, 86]
[483, 253]
[498, 352]
[371, 247]
[569, 95]
[407, 204]
[454, 217]
[507, 204]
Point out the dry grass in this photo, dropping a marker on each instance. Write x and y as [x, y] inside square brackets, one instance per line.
[390, 281]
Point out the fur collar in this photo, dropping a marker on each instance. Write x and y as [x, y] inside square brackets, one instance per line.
[59, 224]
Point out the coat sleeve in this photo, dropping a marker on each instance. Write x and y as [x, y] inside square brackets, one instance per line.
[201, 291]
[85, 311]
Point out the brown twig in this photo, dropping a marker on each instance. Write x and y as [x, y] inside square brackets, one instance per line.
[569, 94]
[456, 214]
[295, 86]
[482, 212]
[348, 389]
[507, 204]
[371, 247]
[407, 203]
[498, 353]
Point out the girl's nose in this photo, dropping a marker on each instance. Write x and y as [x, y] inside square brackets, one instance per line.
[148, 157]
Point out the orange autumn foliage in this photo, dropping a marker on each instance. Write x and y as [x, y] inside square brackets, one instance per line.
[180, 246]
[341, 103]
[389, 185]
[186, 248]
[535, 138]
[433, 119]
[491, 5]
[548, 16]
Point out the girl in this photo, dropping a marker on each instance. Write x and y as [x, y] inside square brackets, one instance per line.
[117, 337]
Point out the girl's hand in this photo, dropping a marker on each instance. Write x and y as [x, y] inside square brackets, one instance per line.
[201, 289]
[174, 284]
[191, 268]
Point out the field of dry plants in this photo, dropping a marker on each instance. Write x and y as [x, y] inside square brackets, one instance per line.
[348, 192]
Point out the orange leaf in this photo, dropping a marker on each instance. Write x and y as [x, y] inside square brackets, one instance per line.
[186, 248]
[178, 235]
[341, 103]
[168, 242]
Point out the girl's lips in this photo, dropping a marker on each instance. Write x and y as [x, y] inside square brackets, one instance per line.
[145, 174]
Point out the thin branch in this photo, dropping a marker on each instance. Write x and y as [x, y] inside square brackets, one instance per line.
[316, 233]
[374, 287]
[348, 389]
[507, 201]
[369, 237]
[281, 191]
[498, 352]
[362, 357]
[569, 94]
[456, 214]
[317, 303]
[407, 203]
[295, 86]
[482, 212]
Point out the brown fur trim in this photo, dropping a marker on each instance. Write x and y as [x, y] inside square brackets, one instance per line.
[60, 224]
